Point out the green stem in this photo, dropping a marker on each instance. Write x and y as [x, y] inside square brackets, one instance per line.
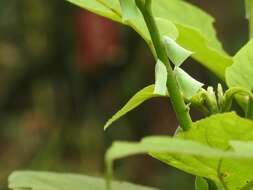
[230, 94]
[249, 113]
[109, 169]
[249, 7]
[177, 100]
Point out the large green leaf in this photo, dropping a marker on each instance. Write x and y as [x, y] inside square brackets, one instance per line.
[162, 144]
[218, 148]
[140, 97]
[195, 28]
[218, 131]
[192, 17]
[241, 72]
[211, 58]
[55, 181]
[192, 154]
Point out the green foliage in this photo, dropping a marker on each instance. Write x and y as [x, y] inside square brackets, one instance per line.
[194, 26]
[140, 97]
[188, 85]
[175, 52]
[162, 144]
[241, 72]
[196, 33]
[56, 181]
[219, 132]
[214, 60]
[218, 148]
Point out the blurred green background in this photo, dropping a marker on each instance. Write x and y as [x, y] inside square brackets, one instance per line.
[65, 71]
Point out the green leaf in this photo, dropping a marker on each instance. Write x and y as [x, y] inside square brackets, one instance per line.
[241, 72]
[219, 132]
[161, 144]
[175, 52]
[128, 9]
[242, 147]
[56, 181]
[160, 79]
[195, 28]
[201, 184]
[192, 17]
[135, 101]
[213, 59]
[198, 157]
[218, 148]
[167, 28]
[197, 33]
[188, 85]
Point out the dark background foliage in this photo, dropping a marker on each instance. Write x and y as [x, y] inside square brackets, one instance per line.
[65, 71]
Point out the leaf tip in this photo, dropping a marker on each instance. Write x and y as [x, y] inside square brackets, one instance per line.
[107, 125]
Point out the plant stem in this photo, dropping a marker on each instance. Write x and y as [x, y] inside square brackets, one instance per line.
[177, 100]
[249, 113]
[249, 7]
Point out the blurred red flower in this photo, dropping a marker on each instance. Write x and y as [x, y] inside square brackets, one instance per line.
[98, 41]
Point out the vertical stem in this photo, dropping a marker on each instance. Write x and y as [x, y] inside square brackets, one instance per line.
[249, 113]
[177, 100]
[249, 7]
